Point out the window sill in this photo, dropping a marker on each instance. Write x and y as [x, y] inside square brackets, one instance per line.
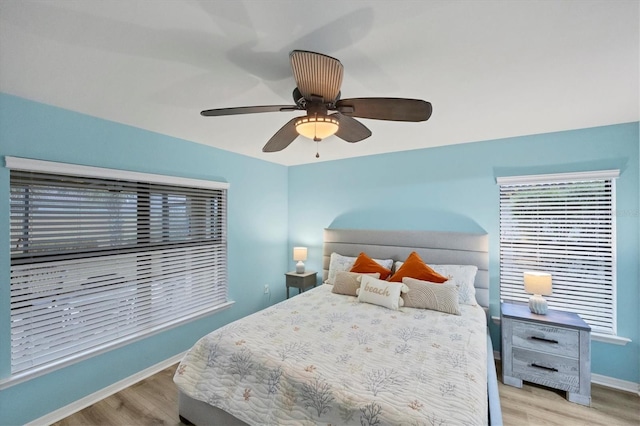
[596, 337]
[610, 338]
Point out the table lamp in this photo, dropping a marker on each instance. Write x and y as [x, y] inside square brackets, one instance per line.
[538, 284]
[300, 254]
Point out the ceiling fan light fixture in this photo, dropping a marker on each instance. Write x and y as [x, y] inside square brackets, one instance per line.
[316, 127]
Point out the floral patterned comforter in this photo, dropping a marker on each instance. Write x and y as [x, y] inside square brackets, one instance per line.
[325, 358]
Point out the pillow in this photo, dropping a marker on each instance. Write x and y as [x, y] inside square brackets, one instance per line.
[338, 263]
[463, 276]
[428, 295]
[365, 265]
[348, 282]
[414, 267]
[344, 263]
[381, 293]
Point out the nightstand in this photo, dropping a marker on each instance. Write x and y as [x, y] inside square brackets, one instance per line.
[551, 350]
[301, 281]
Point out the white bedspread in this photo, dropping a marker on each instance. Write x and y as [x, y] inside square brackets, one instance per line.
[325, 358]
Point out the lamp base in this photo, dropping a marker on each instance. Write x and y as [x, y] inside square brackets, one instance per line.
[299, 267]
[538, 305]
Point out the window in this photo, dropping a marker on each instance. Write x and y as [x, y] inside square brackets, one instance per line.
[562, 224]
[100, 257]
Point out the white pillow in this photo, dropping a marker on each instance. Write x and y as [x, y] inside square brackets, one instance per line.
[463, 276]
[338, 262]
[380, 292]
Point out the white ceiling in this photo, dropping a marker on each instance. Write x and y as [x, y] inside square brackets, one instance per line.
[491, 69]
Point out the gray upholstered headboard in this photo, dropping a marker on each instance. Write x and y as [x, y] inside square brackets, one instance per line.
[452, 248]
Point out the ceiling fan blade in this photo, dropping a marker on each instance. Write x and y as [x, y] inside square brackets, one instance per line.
[350, 129]
[282, 138]
[316, 74]
[247, 110]
[392, 109]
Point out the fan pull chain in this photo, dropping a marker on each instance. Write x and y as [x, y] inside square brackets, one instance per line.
[317, 153]
[315, 129]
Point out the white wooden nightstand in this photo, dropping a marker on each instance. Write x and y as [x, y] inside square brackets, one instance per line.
[551, 350]
[300, 281]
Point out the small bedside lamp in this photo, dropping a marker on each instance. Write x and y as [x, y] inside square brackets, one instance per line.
[299, 254]
[538, 284]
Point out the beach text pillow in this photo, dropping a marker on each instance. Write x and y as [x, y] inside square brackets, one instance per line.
[381, 293]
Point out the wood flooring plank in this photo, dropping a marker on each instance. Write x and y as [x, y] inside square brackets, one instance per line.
[157, 396]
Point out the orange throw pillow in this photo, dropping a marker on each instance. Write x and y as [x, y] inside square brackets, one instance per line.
[414, 267]
[366, 265]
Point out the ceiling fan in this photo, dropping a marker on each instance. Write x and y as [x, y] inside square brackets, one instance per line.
[318, 80]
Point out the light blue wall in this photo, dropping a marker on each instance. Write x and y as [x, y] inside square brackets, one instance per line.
[454, 188]
[257, 237]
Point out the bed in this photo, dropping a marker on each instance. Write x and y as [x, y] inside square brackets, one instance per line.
[322, 357]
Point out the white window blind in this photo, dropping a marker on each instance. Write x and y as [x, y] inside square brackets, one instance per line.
[563, 225]
[98, 261]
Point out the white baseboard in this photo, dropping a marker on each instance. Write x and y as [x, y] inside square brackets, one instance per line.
[88, 400]
[614, 383]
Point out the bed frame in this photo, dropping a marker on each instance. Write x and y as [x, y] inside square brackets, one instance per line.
[433, 247]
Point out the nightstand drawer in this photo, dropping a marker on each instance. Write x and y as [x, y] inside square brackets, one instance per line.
[544, 338]
[546, 369]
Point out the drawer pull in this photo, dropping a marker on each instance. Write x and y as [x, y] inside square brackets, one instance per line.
[542, 339]
[555, 370]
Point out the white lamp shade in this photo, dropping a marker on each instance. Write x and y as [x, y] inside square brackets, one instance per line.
[299, 253]
[537, 283]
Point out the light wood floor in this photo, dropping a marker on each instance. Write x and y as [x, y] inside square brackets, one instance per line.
[154, 402]
[538, 405]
